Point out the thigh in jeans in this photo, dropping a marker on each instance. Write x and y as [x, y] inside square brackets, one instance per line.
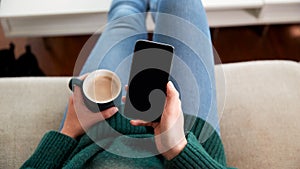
[183, 24]
[113, 50]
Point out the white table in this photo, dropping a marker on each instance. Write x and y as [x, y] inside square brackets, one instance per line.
[77, 17]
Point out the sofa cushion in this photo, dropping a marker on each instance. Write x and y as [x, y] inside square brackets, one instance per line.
[261, 120]
[28, 108]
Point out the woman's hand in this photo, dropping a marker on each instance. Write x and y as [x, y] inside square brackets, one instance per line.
[79, 118]
[169, 133]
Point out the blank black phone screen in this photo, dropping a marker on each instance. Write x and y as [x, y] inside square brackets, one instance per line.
[149, 75]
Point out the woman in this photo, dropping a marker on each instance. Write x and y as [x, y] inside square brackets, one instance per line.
[179, 140]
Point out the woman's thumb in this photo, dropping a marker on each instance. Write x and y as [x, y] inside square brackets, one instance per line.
[172, 93]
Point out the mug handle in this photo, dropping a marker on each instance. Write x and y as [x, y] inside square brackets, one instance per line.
[75, 81]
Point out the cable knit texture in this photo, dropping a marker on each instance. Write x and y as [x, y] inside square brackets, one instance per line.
[60, 151]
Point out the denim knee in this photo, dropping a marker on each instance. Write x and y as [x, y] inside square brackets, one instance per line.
[120, 8]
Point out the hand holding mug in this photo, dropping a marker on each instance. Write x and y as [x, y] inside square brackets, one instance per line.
[80, 118]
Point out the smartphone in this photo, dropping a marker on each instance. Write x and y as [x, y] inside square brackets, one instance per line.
[149, 75]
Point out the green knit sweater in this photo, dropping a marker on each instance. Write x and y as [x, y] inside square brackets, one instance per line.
[60, 151]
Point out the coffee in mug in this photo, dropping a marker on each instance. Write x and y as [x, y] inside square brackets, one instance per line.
[101, 89]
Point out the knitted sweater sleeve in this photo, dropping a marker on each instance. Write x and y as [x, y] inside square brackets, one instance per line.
[52, 151]
[208, 154]
[194, 156]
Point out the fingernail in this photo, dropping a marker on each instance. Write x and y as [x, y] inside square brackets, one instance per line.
[132, 122]
[171, 84]
[116, 109]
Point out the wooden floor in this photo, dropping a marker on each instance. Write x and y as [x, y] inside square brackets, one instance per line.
[57, 55]
[258, 43]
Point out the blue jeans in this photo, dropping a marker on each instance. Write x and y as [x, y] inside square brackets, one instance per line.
[180, 23]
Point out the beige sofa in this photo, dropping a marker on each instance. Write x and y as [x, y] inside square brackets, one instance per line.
[260, 123]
